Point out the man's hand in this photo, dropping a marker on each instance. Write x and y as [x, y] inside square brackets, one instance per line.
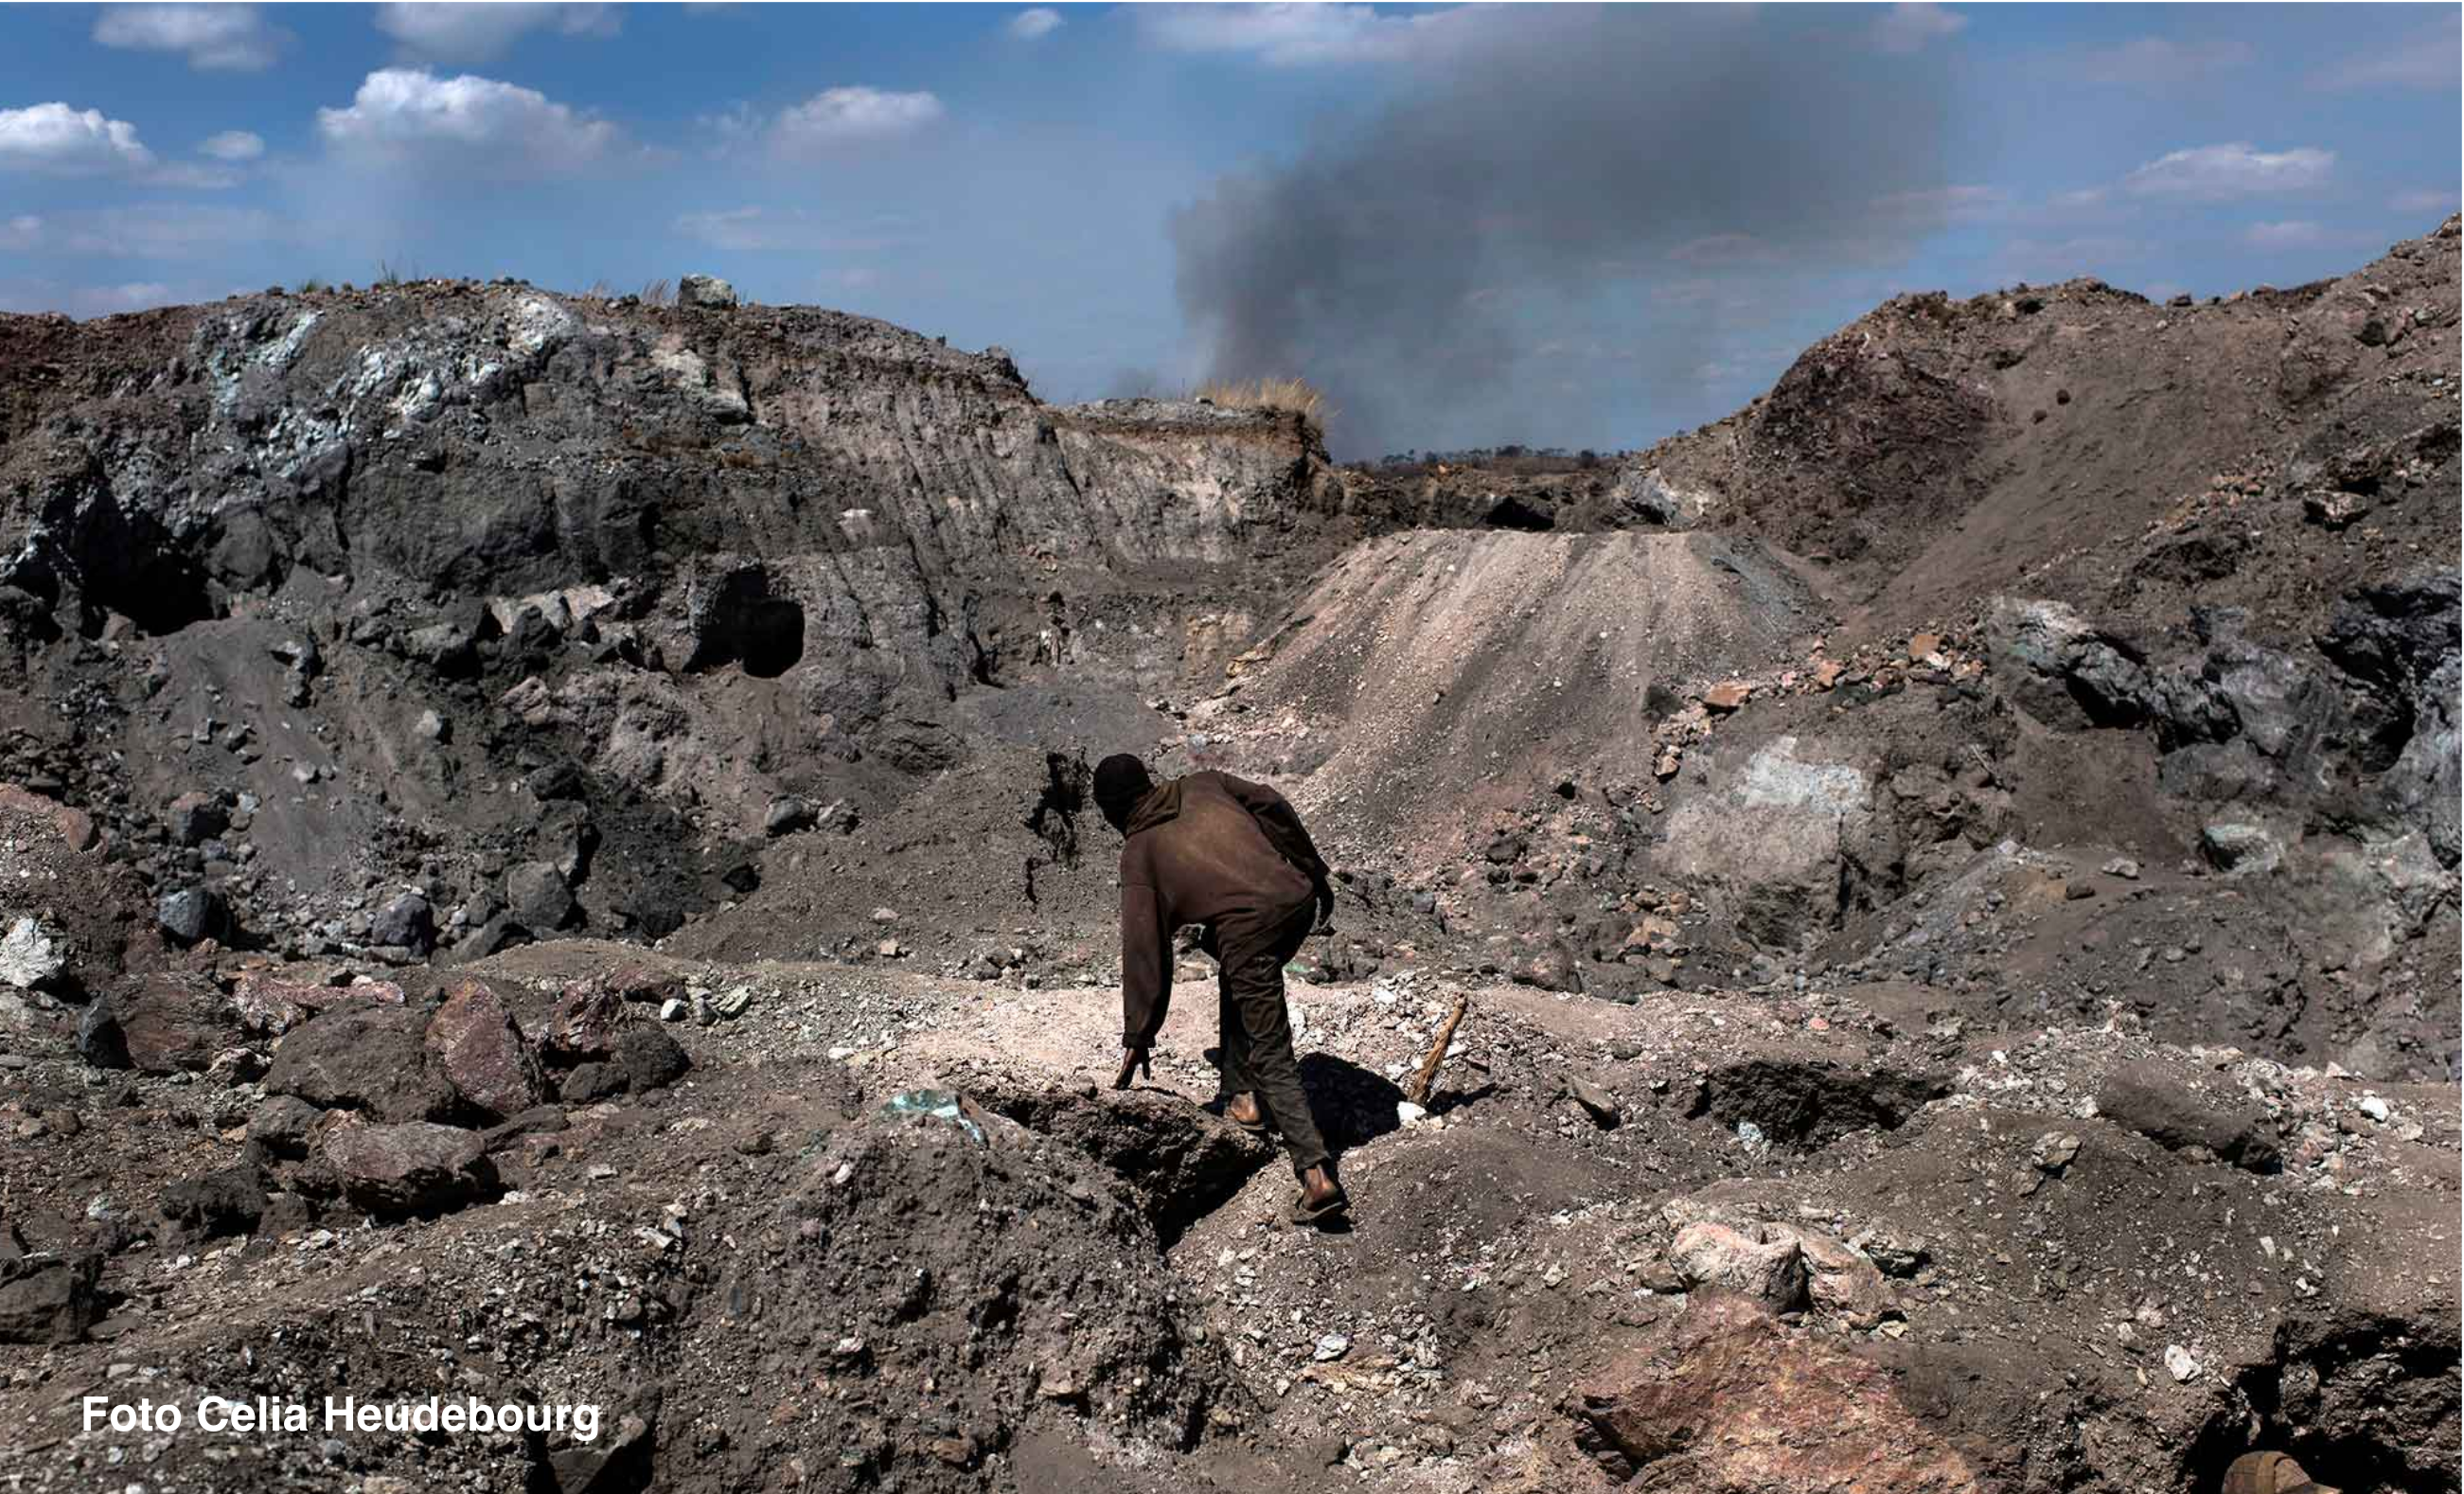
[1324, 909]
[1133, 1061]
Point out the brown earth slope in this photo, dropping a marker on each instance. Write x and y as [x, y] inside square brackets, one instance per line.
[554, 864]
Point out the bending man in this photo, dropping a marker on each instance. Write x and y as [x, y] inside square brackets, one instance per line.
[1229, 855]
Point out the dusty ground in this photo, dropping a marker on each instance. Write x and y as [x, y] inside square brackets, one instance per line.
[1505, 1247]
[1952, 869]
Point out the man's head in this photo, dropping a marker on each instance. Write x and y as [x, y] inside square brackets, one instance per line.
[1121, 780]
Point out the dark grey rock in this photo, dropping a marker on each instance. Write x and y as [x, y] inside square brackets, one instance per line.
[706, 291]
[585, 1083]
[415, 1168]
[407, 922]
[194, 818]
[786, 815]
[284, 1126]
[369, 1059]
[49, 1299]
[536, 897]
[2153, 1101]
[229, 1201]
[192, 914]
[650, 1058]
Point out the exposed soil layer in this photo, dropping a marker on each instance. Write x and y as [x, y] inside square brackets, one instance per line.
[548, 858]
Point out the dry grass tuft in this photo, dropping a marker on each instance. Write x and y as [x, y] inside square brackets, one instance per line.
[659, 293]
[1299, 396]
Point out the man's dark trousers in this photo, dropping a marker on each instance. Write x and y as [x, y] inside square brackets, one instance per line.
[1258, 1054]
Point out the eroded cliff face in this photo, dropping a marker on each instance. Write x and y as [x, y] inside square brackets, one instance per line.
[542, 575]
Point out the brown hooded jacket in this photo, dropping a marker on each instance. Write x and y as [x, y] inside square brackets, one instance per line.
[1203, 849]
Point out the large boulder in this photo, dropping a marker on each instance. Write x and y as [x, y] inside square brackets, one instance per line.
[2154, 1100]
[47, 1299]
[405, 922]
[370, 1059]
[1840, 1281]
[1769, 1271]
[1769, 838]
[415, 1168]
[273, 1001]
[2061, 670]
[157, 1023]
[193, 914]
[285, 1125]
[537, 898]
[1726, 1400]
[707, 292]
[650, 1058]
[583, 1024]
[477, 1045]
[2398, 641]
[229, 1201]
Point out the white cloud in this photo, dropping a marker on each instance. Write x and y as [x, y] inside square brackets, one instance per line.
[2080, 201]
[1035, 22]
[2215, 173]
[2292, 233]
[1289, 36]
[21, 233]
[2161, 63]
[1909, 26]
[2434, 199]
[233, 145]
[215, 38]
[484, 32]
[57, 140]
[846, 116]
[411, 115]
[2428, 60]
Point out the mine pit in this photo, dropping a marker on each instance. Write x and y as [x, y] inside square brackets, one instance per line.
[1181, 1162]
[1942, 927]
[745, 626]
[1806, 1107]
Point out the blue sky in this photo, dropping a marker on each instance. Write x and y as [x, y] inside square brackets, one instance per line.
[1005, 174]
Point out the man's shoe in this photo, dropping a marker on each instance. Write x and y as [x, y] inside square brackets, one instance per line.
[1321, 1199]
[1245, 1111]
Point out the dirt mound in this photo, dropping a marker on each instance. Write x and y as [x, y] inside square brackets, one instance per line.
[1431, 680]
[954, 1280]
[2083, 442]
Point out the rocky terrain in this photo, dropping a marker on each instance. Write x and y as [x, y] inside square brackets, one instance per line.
[546, 858]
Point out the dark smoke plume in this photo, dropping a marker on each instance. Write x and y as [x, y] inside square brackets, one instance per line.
[1536, 165]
